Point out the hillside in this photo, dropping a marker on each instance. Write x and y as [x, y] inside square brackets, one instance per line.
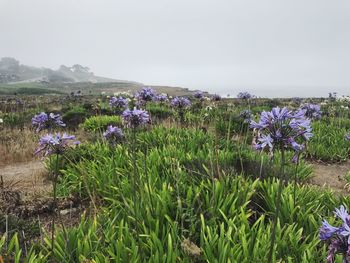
[11, 71]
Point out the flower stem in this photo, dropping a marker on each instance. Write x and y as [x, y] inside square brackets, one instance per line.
[54, 184]
[278, 204]
[295, 182]
[135, 169]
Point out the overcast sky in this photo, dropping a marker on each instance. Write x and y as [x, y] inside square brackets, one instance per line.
[268, 47]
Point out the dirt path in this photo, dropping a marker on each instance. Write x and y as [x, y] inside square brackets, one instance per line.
[28, 178]
[331, 176]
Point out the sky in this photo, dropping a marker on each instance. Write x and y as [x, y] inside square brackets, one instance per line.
[271, 48]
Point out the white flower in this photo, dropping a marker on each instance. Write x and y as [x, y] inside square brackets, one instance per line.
[1, 121]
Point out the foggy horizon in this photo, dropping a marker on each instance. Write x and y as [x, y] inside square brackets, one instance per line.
[269, 48]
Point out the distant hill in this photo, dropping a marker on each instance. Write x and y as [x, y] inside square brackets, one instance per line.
[11, 71]
[16, 78]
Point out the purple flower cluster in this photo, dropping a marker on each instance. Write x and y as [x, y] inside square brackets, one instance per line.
[339, 236]
[312, 111]
[118, 103]
[180, 103]
[282, 129]
[246, 115]
[135, 118]
[47, 121]
[113, 135]
[216, 97]
[244, 95]
[198, 95]
[145, 94]
[55, 143]
[162, 98]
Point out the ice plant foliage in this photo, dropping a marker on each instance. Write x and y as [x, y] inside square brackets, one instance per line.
[43, 121]
[282, 129]
[338, 237]
[118, 103]
[55, 143]
[135, 118]
[312, 111]
[180, 103]
[113, 135]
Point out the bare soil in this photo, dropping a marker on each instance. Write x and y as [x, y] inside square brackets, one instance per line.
[331, 176]
[28, 178]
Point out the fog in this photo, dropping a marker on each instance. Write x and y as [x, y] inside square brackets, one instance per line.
[268, 47]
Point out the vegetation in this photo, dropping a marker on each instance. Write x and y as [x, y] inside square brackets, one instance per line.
[185, 186]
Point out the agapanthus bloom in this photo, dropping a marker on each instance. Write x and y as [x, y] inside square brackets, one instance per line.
[244, 95]
[347, 137]
[216, 97]
[339, 237]
[161, 97]
[297, 100]
[246, 115]
[180, 103]
[198, 95]
[282, 129]
[113, 134]
[134, 118]
[55, 143]
[47, 121]
[145, 94]
[118, 103]
[312, 111]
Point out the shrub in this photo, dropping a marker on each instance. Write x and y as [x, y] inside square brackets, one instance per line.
[100, 123]
[73, 117]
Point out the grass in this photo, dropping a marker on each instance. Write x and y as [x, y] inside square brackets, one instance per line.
[201, 193]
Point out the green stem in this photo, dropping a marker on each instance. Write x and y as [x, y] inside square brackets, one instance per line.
[135, 169]
[54, 184]
[148, 179]
[295, 182]
[278, 204]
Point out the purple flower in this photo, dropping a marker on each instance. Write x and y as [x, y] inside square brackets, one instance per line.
[161, 97]
[180, 103]
[118, 103]
[342, 213]
[113, 135]
[327, 230]
[347, 137]
[134, 118]
[55, 144]
[312, 111]
[339, 236]
[145, 94]
[44, 121]
[246, 115]
[264, 141]
[198, 95]
[244, 95]
[216, 97]
[282, 129]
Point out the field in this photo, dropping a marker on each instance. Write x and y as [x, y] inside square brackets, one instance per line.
[197, 179]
